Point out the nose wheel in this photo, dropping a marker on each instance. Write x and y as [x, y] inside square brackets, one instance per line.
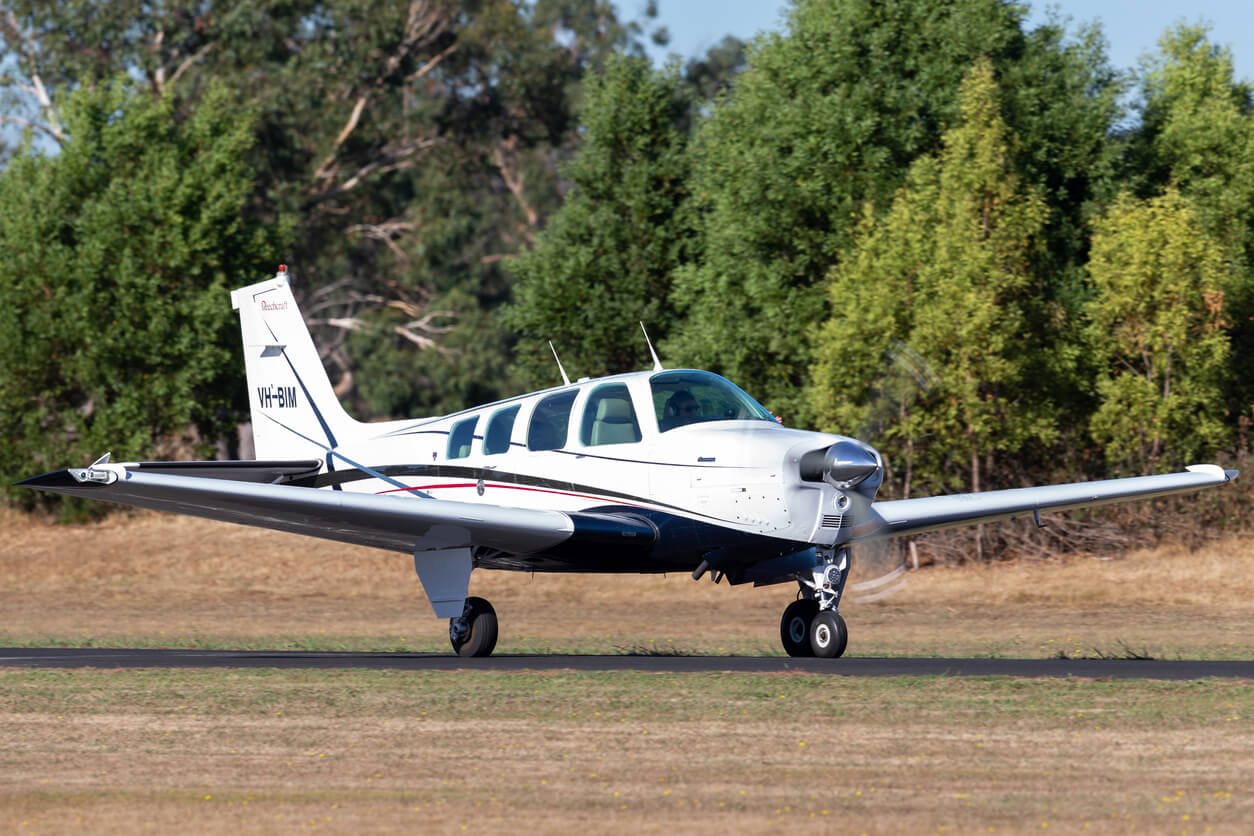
[828, 635]
[473, 633]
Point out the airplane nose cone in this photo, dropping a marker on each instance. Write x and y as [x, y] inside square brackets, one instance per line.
[848, 463]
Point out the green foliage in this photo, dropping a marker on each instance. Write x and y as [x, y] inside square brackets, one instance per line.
[1198, 126]
[1158, 324]
[416, 145]
[1197, 133]
[946, 272]
[829, 116]
[983, 276]
[115, 319]
[608, 257]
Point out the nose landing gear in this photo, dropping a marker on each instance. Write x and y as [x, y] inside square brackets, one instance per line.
[811, 626]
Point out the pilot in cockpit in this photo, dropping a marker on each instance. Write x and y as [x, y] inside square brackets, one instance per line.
[681, 409]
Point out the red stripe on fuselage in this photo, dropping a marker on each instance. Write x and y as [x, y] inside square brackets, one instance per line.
[611, 500]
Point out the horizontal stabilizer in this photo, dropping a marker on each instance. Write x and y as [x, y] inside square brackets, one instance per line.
[300, 472]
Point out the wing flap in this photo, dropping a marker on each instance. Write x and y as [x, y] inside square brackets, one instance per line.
[912, 516]
[398, 523]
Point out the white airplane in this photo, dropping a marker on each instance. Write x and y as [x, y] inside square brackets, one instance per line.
[668, 470]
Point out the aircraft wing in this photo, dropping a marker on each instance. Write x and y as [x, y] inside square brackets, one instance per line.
[912, 516]
[399, 523]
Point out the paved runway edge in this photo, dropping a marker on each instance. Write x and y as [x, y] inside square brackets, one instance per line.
[101, 657]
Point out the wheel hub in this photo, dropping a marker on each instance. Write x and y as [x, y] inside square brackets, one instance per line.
[797, 629]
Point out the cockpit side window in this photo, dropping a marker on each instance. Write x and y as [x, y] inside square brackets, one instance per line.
[550, 422]
[500, 428]
[689, 397]
[460, 438]
[608, 417]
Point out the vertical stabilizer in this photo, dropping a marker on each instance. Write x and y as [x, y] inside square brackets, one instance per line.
[295, 413]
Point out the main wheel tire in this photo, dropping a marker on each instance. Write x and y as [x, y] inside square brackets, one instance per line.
[794, 627]
[479, 636]
[828, 635]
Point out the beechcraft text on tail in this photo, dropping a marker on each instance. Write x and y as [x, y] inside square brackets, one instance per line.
[666, 470]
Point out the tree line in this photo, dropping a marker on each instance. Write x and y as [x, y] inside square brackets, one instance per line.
[973, 243]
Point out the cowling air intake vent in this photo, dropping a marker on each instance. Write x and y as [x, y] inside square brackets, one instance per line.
[833, 520]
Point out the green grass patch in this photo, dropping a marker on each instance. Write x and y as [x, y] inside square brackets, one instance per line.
[626, 695]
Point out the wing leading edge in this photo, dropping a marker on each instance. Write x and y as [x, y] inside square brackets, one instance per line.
[911, 516]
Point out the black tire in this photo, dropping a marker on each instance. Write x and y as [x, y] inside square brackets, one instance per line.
[480, 637]
[828, 635]
[794, 627]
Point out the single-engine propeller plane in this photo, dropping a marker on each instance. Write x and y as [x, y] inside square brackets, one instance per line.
[668, 470]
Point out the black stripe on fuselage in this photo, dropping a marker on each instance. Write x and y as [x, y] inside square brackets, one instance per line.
[444, 471]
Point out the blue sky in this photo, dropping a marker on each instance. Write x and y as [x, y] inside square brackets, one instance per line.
[1132, 27]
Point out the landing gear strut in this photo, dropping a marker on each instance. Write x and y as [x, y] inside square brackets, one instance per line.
[811, 626]
[473, 633]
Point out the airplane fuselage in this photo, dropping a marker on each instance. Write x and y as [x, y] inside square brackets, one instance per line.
[714, 480]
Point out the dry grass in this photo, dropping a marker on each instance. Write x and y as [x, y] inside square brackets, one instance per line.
[162, 579]
[360, 751]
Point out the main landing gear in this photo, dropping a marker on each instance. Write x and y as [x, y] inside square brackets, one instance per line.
[473, 633]
[811, 626]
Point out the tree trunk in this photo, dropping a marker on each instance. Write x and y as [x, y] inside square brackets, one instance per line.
[975, 488]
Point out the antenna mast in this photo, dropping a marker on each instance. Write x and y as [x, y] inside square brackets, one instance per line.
[565, 379]
[657, 364]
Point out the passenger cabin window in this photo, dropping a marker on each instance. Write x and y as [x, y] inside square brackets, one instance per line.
[689, 397]
[500, 428]
[459, 439]
[608, 417]
[550, 422]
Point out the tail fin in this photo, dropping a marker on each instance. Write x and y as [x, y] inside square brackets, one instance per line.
[295, 412]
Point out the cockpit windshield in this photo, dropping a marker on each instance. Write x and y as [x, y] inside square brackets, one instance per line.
[689, 397]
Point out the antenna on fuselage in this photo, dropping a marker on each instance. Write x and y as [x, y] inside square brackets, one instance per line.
[565, 379]
[657, 364]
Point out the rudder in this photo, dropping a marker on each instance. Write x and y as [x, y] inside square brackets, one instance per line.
[295, 412]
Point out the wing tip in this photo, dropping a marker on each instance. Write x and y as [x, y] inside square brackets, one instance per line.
[1215, 471]
[50, 481]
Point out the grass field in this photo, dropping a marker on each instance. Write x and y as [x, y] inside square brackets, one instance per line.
[157, 580]
[361, 751]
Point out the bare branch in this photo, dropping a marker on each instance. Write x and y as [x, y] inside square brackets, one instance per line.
[27, 123]
[433, 63]
[424, 23]
[325, 168]
[387, 232]
[392, 158]
[158, 81]
[505, 156]
[421, 331]
[190, 61]
[13, 33]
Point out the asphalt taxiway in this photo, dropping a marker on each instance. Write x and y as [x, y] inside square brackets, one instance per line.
[100, 657]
